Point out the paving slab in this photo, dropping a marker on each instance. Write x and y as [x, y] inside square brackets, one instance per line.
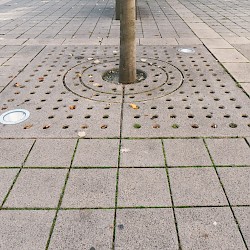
[208, 228]
[90, 188]
[143, 187]
[145, 229]
[25, 229]
[243, 217]
[83, 229]
[37, 188]
[196, 187]
[186, 152]
[14, 152]
[142, 153]
[7, 177]
[238, 70]
[216, 43]
[236, 184]
[229, 56]
[51, 153]
[244, 49]
[235, 151]
[97, 153]
[246, 87]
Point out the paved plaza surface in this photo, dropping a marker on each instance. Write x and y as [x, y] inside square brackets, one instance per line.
[160, 164]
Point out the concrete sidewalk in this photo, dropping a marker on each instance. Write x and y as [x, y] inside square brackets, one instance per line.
[160, 164]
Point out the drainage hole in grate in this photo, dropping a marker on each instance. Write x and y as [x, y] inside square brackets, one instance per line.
[69, 116]
[175, 126]
[65, 126]
[105, 117]
[84, 126]
[87, 116]
[233, 125]
[137, 116]
[156, 126]
[195, 126]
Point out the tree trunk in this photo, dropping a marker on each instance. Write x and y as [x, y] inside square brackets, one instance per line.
[127, 68]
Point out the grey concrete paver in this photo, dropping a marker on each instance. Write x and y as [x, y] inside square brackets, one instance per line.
[229, 151]
[243, 217]
[7, 177]
[208, 228]
[101, 153]
[90, 188]
[51, 153]
[143, 187]
[141, 153]
[14, 152]
[37, 188]
[145, 229]
[236, 183]
[186, 152]
[196, 187]
[238, 70]
[83, 229]
[25, 229]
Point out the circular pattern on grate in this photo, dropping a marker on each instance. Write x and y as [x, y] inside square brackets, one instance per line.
[86, 80]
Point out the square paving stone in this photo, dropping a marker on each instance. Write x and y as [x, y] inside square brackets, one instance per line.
[196, 187]
[14, 152]
[143, 187]
[236, 182]
[186, 152]
[101, 153]
[208, 228]
[142, 153]
[145, 229]
[83, 229]
[37, 188]
[7, 177]
[229, 151]
[51, 153]
[90, 188]
[243, 217]
[240, 71]
[25, 229]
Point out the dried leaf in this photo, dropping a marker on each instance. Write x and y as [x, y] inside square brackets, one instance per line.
[71, 107]
[97, 84]
[28, 126]
[115, 52]
[41, 79]
[46, 126]
[125, 150]
[81, 134]
[143, 60]
[96, 61]
[133, 106]
[17, 84]
[79, 75]
[90, 58]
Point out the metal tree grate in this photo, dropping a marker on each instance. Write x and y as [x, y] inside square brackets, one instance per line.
[183, 95]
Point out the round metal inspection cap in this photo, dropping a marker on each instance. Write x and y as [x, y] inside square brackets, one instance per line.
[187, 50]
[14, 116]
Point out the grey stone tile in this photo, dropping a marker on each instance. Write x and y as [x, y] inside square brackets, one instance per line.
[196, 187]
[240, 71]
[246, 87]
[51, 153]
[25, 229]
[143, 187]
[90, 188]
[7, 177]
[142, 153]
[229, 151]
[145, 229]
[236, 182]
[83, 229]
[102, 153]
[243, 217]
[208, 228]
[37, 188]
[14, 152]
[186, 152]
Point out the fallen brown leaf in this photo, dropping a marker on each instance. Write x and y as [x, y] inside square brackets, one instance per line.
[133, 106]
[71, 107]
[17, 84]
[28, 126]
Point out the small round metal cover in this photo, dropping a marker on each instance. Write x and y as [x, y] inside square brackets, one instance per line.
[14, 116]
[187, 50]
